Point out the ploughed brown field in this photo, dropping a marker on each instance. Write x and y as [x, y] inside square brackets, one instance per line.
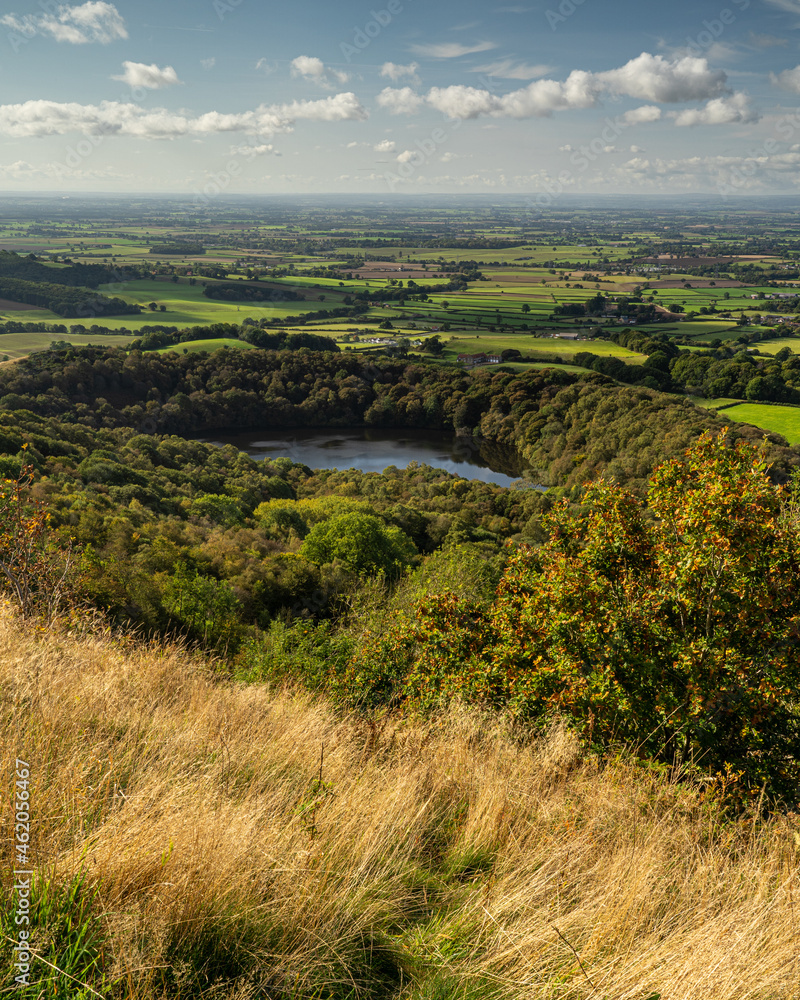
[10, 306]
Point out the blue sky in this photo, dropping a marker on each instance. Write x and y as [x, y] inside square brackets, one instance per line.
[541, 97]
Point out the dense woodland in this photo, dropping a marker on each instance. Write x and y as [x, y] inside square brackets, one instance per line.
[65, 300]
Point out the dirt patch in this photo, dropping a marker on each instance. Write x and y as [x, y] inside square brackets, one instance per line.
[697, 283]
[10, 306]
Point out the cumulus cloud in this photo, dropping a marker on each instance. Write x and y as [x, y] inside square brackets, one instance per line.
[385, 146]
[537, 100]
[208, 63]
[150, 77]
[645, 77]
[408, 155]
[721, 111]
[260, 150]
[451, 50]
[94, 21]
[654, 78]
[18, 169]
[789, 79]
[313, 69]
[760, 171]
[309, 67]
[402, 101]
[641, 116]
[394, 71]
[39, 118]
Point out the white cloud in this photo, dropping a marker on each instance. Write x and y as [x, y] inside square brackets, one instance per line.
[261, 150]
[208, 63]
[18, 169]
[643, 115]
[94, 21]
[721, 111]
[537, 100]
[507, 69]
[340, 108]
[308, 67]
[408, 155]
[39, 118]
[400, 102]
[451, 50]
[266, 66]
[385, 146]
[394, 71]
[789, 79]
[741, 172]
[654, 78]
[647, 76]
[150, 77]
[313, 69]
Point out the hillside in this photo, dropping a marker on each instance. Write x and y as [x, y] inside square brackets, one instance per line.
[432, 860]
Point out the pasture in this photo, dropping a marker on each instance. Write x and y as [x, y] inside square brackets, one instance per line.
[208, 346]
[19, 345]
[783, 420]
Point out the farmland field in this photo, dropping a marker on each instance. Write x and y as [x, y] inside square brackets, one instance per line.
[783, 420]
[19, 345]
[193, 346]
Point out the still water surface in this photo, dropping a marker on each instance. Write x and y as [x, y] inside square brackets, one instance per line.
[372, 450]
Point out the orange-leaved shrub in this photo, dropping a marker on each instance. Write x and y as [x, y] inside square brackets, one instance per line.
[670, 624]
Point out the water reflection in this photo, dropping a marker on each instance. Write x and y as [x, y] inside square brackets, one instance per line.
[373, 450]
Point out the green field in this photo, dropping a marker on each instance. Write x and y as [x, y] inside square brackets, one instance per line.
[19, 345]
[496, 343]
[783, 420]
[195, 346]
[773, 346]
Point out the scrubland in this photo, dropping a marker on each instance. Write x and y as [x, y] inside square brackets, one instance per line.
[197, 837]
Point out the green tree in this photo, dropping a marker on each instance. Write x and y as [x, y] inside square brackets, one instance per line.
[206, 608]
[361, 542]
[433, 345]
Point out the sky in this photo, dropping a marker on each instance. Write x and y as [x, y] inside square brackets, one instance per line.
[544, 98]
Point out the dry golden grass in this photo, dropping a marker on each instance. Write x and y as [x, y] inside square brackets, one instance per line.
[442, 860]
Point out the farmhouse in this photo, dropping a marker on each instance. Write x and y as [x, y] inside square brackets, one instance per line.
[469, 360]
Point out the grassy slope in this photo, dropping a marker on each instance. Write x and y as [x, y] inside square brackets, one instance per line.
[440, 853]
[192, 346]
[783, 420]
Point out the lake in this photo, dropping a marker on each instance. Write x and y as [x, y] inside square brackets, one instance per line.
[373, 450]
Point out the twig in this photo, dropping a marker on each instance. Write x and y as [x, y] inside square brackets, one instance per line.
[577, 956]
